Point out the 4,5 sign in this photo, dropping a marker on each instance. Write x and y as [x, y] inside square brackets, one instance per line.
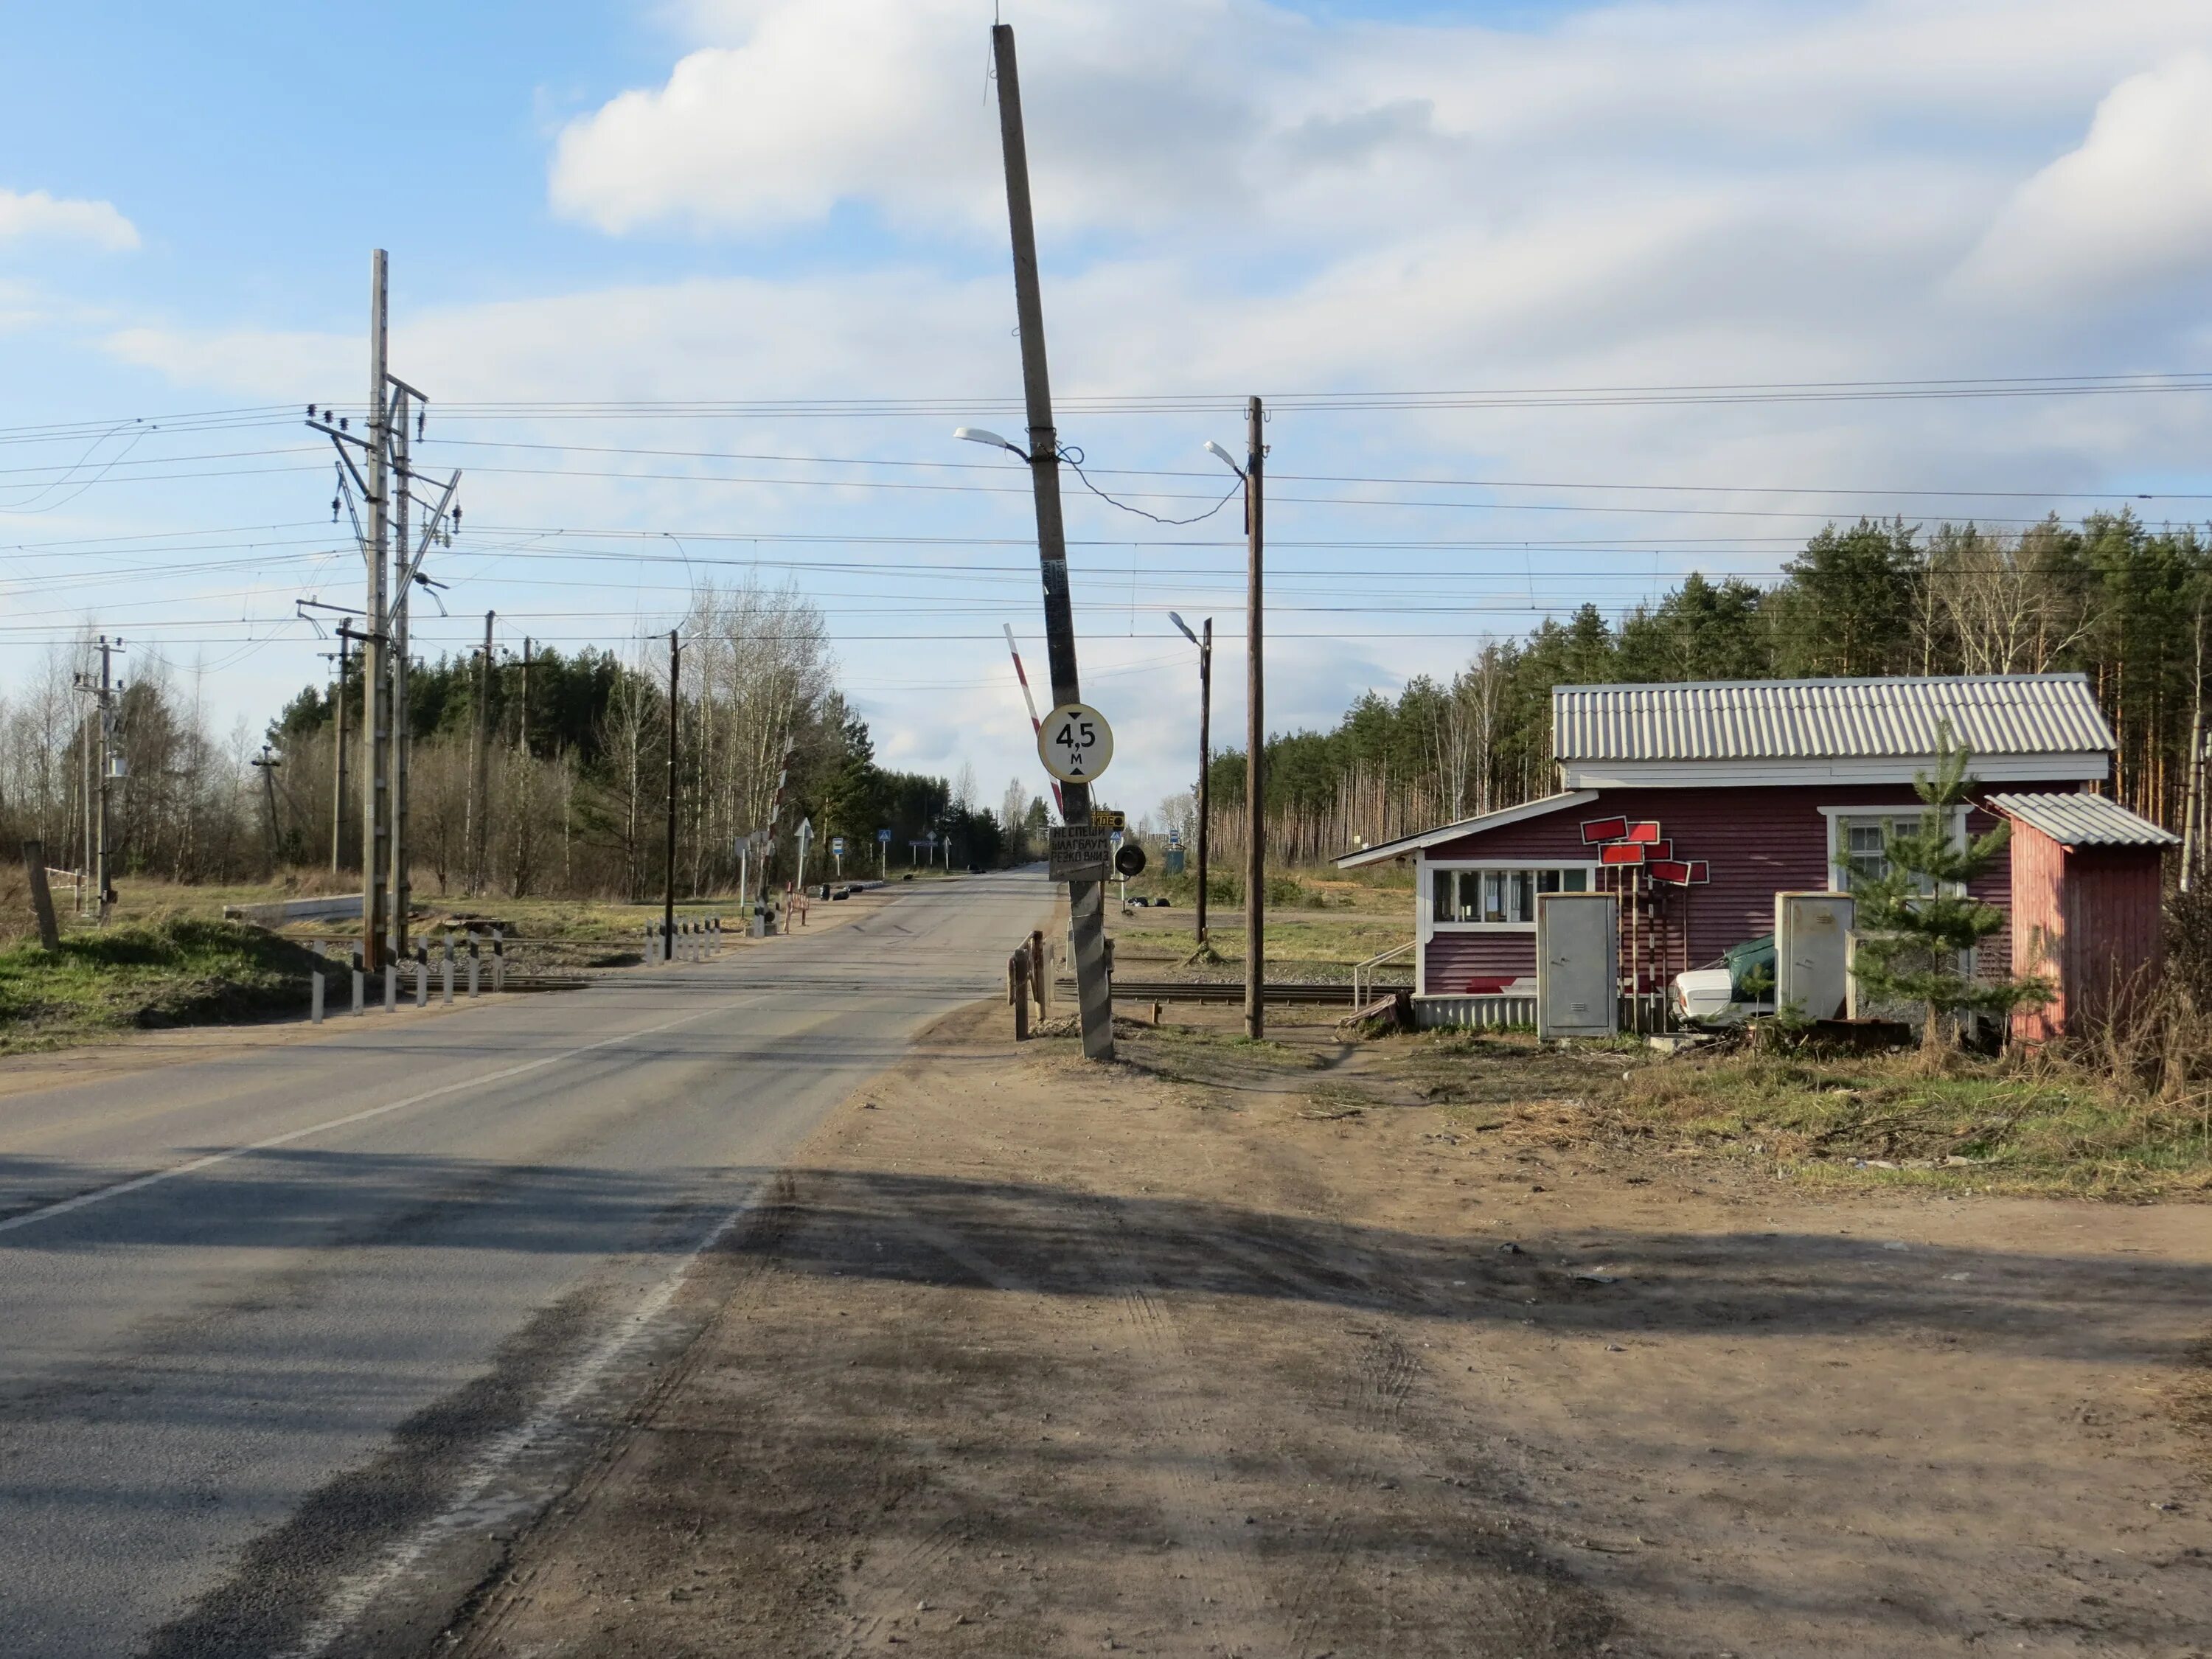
[1075, 743]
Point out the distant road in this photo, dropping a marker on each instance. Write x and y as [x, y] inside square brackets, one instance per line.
[263, 1317]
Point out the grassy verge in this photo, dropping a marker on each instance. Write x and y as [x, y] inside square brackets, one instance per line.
[2018, 1124]
[182, 970]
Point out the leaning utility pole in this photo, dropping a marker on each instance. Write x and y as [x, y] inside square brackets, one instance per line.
[668, 889]
[375, 648]
[1255, 741]
[479, 772]
[1086, 900]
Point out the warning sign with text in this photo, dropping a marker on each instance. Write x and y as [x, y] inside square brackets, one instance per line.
[1080, 853]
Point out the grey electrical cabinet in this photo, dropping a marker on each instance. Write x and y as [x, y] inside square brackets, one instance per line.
[1577, 964]
[1812, 953]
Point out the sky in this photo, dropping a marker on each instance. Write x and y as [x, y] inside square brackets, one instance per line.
[1423, 233]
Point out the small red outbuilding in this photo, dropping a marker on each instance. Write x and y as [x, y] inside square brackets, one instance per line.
[2086, 913]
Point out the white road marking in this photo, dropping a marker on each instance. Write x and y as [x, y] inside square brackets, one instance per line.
[139, 1183]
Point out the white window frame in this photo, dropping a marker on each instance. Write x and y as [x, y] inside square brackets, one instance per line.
[1424, 876]
[1840, 870]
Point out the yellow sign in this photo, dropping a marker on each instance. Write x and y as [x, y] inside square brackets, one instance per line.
[1102, 819]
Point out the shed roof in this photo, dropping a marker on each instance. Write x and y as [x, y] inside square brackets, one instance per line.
[2083, 820]
[1427, 838]
[1838, 718]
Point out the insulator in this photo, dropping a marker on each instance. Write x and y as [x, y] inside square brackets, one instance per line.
[342, 422]
[419, 414]
[334, 509]
[311, 411]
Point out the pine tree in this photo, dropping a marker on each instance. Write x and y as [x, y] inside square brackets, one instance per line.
[1917, 921]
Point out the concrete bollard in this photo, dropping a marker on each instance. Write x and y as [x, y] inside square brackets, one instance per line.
[359, 1001]
[475, 963]
[422, 985]
[445, 974]
[391, 988]
[315, 1002]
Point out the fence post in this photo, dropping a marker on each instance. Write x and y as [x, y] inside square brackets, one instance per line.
[498, 959]
[1018, 993]
[359, 1001]
[421, 983]
[315, 1001]
[445, 974]
[42, 898]
[475, 961]
[391, 988]
[1041, 974]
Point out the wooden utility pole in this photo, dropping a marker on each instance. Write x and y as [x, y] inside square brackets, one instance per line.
[1086, 900]
[1256, 737]
[338, 753]
[99, 769]
[480, 772]
[668, 889]
[268, 764]
[376, 690]
[1204, 761]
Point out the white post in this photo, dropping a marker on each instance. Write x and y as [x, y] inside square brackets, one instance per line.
[315, 1007]
[445, 974]
[359, 1000]
[498, 960]
[422, 985]
[390, 986]
[475, 963]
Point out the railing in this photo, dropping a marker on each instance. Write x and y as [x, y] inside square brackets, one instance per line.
[1363, 977]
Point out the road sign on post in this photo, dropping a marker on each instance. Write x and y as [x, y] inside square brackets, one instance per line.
[1075, 743]
[1079, 852]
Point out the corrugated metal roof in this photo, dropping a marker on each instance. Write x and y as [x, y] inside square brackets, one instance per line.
[1808, 719]
[2083, 820]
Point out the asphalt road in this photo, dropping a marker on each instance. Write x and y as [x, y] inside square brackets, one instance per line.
[272, 1323]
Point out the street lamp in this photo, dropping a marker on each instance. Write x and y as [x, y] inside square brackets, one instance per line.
[1255, 728]
[976, 434]
[1205, 755]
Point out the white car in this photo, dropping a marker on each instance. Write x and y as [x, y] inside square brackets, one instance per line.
[1737, 987]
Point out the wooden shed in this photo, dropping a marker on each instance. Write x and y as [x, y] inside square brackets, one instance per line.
[2086, 906]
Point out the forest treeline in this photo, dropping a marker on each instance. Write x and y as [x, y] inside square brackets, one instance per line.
[573, 769]
[2109, 597]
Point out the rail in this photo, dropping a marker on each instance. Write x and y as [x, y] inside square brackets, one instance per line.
[1363, 977]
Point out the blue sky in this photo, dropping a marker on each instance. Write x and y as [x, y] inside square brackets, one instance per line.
[747, 199]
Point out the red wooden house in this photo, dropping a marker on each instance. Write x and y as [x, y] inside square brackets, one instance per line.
[1773, 786]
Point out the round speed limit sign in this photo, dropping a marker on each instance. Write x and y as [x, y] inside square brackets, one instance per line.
[1075, 743]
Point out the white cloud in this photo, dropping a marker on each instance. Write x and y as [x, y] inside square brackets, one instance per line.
[2130, 209]
[36, 213]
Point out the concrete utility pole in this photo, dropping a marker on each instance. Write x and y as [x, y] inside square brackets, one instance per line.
[668, 895]
[1086, 900]
[338, 754]
[403, 584]
[392, 567]
[1255, 739]
[376, 688]
[479, 771]
[99, 769]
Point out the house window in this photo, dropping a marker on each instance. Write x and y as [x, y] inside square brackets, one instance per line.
[1862, 844]
[1504, 897]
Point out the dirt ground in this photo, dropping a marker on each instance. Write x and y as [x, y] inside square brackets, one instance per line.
[1225, 1351]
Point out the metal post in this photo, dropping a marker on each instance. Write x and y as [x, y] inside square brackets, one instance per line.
[376, 691]
[1255, 739]
[668, 892]
[1086, 900]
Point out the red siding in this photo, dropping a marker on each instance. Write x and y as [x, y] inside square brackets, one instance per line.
[2095, 914]
[1759, 841]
